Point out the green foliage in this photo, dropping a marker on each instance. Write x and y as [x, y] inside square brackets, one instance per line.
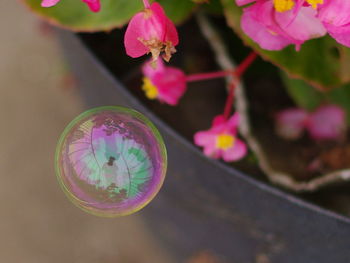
[304, 95]
[75, 15]
[325, 71]
[177, 10]
[341, 96]
[213, 7]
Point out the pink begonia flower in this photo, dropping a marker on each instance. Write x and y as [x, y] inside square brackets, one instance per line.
[290, 123]
[94, 5]
[221, 141]
[167, 84]
[151, 31]
[274, 24]
[335, 15]
[49, 3]
[326, 123]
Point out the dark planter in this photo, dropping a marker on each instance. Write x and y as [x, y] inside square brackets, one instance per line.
[206, 205]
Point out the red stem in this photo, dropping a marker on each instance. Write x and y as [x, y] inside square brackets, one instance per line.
[219, 74]
[208, 75]
[245, 64]
[237, 73]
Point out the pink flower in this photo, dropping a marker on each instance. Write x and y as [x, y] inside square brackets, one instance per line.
[94, 5]
[221, 141]
[168, 84]
[335, 15]
[326, 123]
[151, 31]
[49, 3]
[274, 24]
[290, 123]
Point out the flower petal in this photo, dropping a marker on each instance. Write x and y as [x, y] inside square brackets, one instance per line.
[171, 33]
[150, 68]
[328, 122]
[206, 139]
[290, 123]
[203, 138]
[218, 120]
[304, 26]
[94, 5]
[49, 3]
[261, 30]
[133, 46]
[335, 12]
[233, 122]
[171, 84]
[235, 153]
[340, 34]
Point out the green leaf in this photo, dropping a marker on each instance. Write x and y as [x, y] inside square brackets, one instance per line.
[304, 95]
[321, 62]
[213, 7]
[341, 96]
[177, 10]
[76, 16]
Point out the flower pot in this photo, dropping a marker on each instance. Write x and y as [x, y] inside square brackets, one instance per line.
[207, 205]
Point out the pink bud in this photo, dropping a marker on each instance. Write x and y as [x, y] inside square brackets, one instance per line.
[151, 31]
[94, 5]
[327, 122]
[290, 123]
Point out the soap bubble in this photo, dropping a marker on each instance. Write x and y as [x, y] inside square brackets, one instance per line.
[111, 161]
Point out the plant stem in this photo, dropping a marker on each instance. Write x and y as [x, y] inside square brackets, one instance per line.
[208, 75]
[245, 64]
[237, 73]
[219, 74]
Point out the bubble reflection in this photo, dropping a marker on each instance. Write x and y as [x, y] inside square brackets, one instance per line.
[111, 161]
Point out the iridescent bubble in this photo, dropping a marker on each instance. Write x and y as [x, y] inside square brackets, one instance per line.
[111, 161]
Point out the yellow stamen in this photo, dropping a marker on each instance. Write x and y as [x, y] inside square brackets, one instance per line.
[272, 32]
[150, 90]
[314, 3]
[225, 141]
[283, 5]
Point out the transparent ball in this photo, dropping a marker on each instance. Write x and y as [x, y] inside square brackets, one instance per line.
[111, 161]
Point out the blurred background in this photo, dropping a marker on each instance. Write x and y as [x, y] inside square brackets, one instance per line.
[38, 99]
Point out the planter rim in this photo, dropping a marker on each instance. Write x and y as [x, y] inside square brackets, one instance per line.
[230, 170]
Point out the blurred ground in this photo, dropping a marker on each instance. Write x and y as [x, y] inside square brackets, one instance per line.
[38, 224]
